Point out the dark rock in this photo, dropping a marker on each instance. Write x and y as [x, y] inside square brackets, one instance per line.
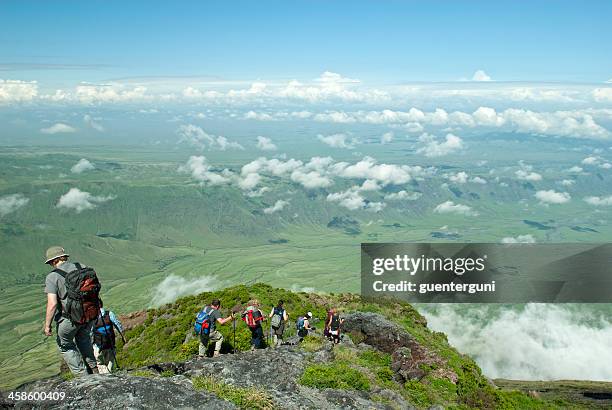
[410, 359]
[113, 392]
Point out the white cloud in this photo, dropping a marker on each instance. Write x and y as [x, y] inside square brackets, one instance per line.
[248, 182]
[480, 75]
[590, 161]
[433, 148]
[310, 180]
[80, 200]
[278, 206]
[599, 200]
[568, 123]
[478, 180]
[386, 138]
[11, 203]
[200, 170]
[403, 195]
[335, 78]
[92, 123]
[57, 128]
[353, 200]
[449, 207]
[82, 166]
[526, 173]
[530, 342]
[575, 170]
[265, 144]
[459, 178]
[259, 116]
[174, 286]
[367, 168]
[196, 136]
[567, 182]
[528, 176]
[109, 93]
[602, 94]
[552, 197]
[519, 239]
[337, 141]
[15, 91]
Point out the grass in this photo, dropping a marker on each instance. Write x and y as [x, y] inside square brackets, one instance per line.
[311, 343]
[243, 397]
[334, 376]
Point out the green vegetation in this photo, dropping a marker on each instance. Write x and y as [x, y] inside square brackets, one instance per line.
[334, 376]
[245, 398]
[312, 343]
[143, 373]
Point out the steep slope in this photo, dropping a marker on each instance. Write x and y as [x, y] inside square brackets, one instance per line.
[388, 358]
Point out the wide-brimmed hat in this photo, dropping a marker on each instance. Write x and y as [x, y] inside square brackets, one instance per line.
[54, 252]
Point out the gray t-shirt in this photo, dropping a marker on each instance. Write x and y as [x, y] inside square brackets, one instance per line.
[214, 315]
[56, 284]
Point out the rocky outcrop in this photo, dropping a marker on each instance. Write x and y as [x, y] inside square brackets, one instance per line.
[121, 391]
[411, 360]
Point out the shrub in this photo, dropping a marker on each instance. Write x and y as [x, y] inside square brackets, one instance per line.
[334, 376]
[311, 343]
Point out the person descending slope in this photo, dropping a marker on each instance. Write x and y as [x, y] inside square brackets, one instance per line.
[253, 317]
[326, 328]
[103, 332]
[206, 327]
[73, 302]
[303, 325]
[278, 317]
[334, 324]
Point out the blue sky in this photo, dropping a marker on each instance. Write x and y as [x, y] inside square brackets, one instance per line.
[381, 42]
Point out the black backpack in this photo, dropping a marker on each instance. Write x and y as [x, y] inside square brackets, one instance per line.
[82, 294]
[335, 322]
[104, 332]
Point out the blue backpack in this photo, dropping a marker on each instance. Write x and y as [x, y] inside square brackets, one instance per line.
[300, 323]
[202, 324]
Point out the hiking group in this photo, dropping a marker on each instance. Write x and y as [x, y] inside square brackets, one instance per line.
[85, 331]
[209, 317]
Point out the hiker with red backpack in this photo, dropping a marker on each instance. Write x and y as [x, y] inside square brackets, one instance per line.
[206, 327]
[253, 317]
[73, 299]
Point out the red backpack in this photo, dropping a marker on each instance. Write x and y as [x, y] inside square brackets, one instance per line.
[252, 316]
[82, 294]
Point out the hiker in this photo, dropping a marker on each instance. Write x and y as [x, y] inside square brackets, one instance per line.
[72, 301]
[103, 332]
[326, 328]
[253, 317]
[334, 324]
[278, 317]
[303, 325]
[206, 327]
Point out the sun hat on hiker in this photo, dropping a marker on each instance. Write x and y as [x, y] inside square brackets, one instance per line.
[54, 252]
[309, 314]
